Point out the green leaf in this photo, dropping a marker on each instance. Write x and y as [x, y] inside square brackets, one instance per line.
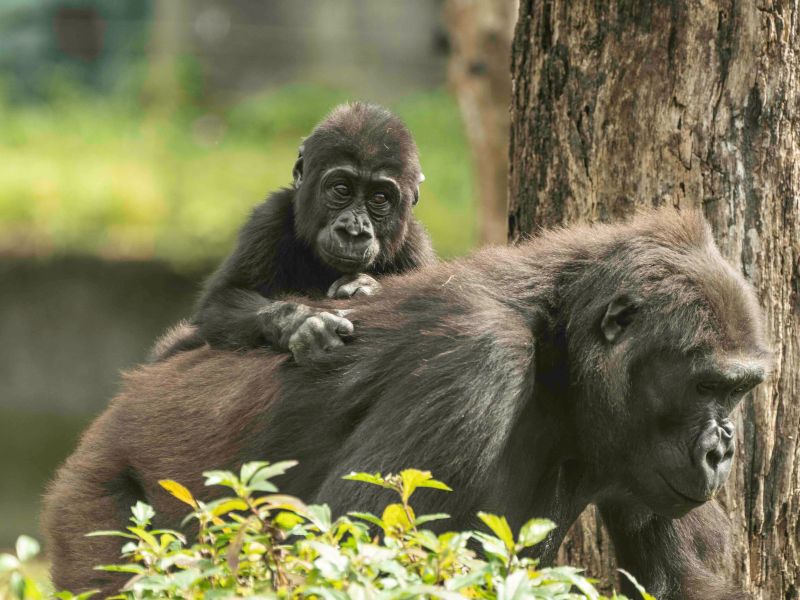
[414, 478]
[515, 587]
[428, 540]
[111, 534]
[492, 546]
[534, 531]
[320, 515]
[145, 536]
[269, 471]
[637, 585]
[262, 486]
[470, 578]
[17, 584]
[395, 517]
[587, 589]
[226, 506]
[249, 469]
[27, 547]
[8, 562]
[375, 479]
[122, 568]
[331, 562]
[287, 520]
[369, 517]
[281, 502]
[500, 528]
[179, 491]
[428, 518]
[142, 513]
[225, 478]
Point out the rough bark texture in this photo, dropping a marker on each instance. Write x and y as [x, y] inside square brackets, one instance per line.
[478, 71]
[694, 104]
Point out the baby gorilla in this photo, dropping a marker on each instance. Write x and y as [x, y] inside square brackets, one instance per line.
[346, 220]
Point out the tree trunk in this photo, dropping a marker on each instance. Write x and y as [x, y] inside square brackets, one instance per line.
[479, 73]
[690, 104]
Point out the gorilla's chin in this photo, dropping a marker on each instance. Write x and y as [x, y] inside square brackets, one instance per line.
[665, 500]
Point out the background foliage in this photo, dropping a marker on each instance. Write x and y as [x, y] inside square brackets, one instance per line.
[258, 543]
[85, 174]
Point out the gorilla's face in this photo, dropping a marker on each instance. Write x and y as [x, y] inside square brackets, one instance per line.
[686, 438]
[353, 213]
[359, 208]
[656, 422]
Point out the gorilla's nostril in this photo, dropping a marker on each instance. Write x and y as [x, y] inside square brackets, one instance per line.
[714, 457]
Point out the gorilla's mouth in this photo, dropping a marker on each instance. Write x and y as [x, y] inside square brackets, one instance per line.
[680, 494]
[346, 262]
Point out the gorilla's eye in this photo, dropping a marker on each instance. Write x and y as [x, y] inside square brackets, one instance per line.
[713, 388]
[380, 198]
[341, 189]
[708, 388]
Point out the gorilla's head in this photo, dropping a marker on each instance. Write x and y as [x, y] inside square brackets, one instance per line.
[668, 338]
[357, 178]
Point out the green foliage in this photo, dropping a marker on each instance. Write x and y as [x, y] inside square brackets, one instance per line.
[97, 174]
[257, 543]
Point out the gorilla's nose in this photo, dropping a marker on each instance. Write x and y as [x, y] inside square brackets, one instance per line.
[353, 229]
[713, 453]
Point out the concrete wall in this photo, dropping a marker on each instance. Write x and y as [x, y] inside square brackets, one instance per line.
[67, 329]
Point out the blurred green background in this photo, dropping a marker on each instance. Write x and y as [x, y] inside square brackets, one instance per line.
[135, 136]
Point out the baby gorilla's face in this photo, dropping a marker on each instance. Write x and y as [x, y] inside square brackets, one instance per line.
[359, 204]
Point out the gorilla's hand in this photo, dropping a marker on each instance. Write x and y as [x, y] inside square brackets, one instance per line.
[318, 334]
[356, 284]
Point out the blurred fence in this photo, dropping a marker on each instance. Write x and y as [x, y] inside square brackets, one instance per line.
[379, 48]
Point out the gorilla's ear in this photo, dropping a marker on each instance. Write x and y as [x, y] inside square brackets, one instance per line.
[416, 189]
[619, 314]
[297, 171]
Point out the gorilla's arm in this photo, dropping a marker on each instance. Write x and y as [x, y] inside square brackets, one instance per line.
[231, 313]
[674, 559]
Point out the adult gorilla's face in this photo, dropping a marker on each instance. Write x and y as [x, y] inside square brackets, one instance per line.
[686, 436]
[660, 383]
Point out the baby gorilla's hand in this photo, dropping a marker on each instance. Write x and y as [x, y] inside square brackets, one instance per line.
[318, 334]
[357, 284]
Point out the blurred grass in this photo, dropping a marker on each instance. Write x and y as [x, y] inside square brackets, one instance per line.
[98, 175]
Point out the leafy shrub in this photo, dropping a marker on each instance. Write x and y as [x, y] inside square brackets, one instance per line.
[257, 543]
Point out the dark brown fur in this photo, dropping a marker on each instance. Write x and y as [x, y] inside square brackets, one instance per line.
[285, 246]
[490, 371]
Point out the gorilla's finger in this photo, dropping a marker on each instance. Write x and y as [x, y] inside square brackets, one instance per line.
[337, 324]
[363, 291]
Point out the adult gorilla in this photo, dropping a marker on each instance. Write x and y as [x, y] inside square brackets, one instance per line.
[590, 365]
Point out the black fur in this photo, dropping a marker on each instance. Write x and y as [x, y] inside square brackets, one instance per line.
[511, 375]
[281, 249]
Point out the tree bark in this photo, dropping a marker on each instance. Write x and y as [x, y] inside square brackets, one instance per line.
[479, 74]
[684, 103]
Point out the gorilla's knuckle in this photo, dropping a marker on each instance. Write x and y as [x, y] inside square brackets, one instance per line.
[314, 324]
[345, 326]
[366, 280]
